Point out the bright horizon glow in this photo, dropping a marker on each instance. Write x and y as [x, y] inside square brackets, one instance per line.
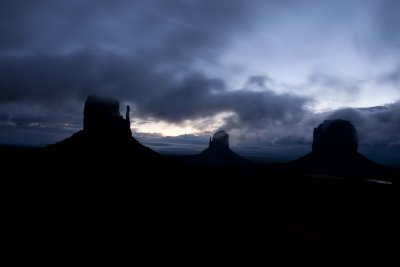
[200, 126]
[163, 128]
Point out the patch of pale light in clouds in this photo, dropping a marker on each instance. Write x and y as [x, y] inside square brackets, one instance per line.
[195, 127]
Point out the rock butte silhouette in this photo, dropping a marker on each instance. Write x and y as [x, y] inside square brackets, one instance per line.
[334, 151]
[106, 135]
[104, 129]
[102, 117]
[335, 137]
[218, 151]
[101, 193]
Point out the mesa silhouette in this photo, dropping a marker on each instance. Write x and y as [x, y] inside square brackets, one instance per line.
[104, 161]
[217, 153]
[106, 137]
[335, 152]
[105, 133]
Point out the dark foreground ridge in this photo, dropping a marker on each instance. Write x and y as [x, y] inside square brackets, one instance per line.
[102, 180]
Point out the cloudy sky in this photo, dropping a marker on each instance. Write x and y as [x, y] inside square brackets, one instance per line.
[268, 71]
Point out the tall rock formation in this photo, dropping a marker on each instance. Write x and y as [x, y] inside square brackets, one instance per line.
[220, 140]
[218, 151]
[334, 152]
[335, 137]
[101, 117]
[104, 131]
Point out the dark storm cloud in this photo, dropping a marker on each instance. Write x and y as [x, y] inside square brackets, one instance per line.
[163, 27]
[49, 89]
[149, 53]
[45, 79]
[57, 51]
[377, 126]
[54, 81]
[196, 97]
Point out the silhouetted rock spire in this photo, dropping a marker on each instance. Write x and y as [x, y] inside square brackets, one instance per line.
[127, 118]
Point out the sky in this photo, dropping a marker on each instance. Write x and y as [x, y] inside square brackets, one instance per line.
[267, 71]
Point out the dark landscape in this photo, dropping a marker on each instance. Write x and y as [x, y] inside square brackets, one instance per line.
[199, 121]
[333, 189]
